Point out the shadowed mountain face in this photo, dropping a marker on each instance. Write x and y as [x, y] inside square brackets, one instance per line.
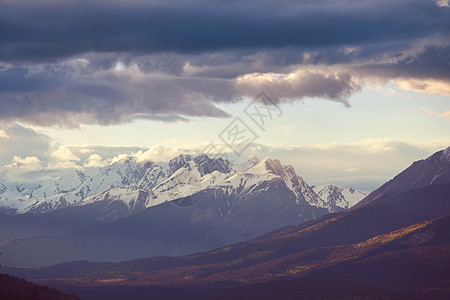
[65, 219]
[431, 171]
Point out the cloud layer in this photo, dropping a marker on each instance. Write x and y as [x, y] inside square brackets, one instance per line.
[363, 164]
[95, 62]
[47, 31]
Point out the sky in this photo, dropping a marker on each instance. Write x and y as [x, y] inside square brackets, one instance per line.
[348, 92]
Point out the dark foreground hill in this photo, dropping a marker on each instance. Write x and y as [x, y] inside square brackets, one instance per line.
[13, 288]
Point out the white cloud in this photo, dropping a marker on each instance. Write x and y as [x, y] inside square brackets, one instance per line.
[442, 3]
[95, 161]
[157, 153]
[310, 81]
[86, 150]
[63, 165]
[63, 153]
[118, 157]
[26, 164]
[3, 134]
[428, 86]
[430, 112]
[254, 150]
[28, 156]
[368, 145]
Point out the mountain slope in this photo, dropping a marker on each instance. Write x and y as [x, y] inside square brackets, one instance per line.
[110, 208]
[430, 171]
[11, 197]
[13, 288]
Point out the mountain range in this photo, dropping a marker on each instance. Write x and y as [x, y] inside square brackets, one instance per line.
[134, 209]
[141, 185]
[395, 244]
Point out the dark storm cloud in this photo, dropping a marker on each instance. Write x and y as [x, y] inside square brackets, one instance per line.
[97, 62]
[32, 31]
[124, 92]
[107, 99]
[433, 62]
[16, 79]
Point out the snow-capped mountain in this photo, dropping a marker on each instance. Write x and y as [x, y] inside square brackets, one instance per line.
[11, 196]
[191, 175]
[268, 170]
[73, 189]
[230, 206]
[341, 197]
[139, 185]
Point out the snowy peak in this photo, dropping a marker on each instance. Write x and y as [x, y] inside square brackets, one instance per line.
[132, 198]
[273, 165]
[247, 165]
[70, 183]
[267, 165]
[207, 165]
[202, 162]
[262, 167]
[268, 169]
[123, 173]
[341, 197]
[191, 176]
[179, 162]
